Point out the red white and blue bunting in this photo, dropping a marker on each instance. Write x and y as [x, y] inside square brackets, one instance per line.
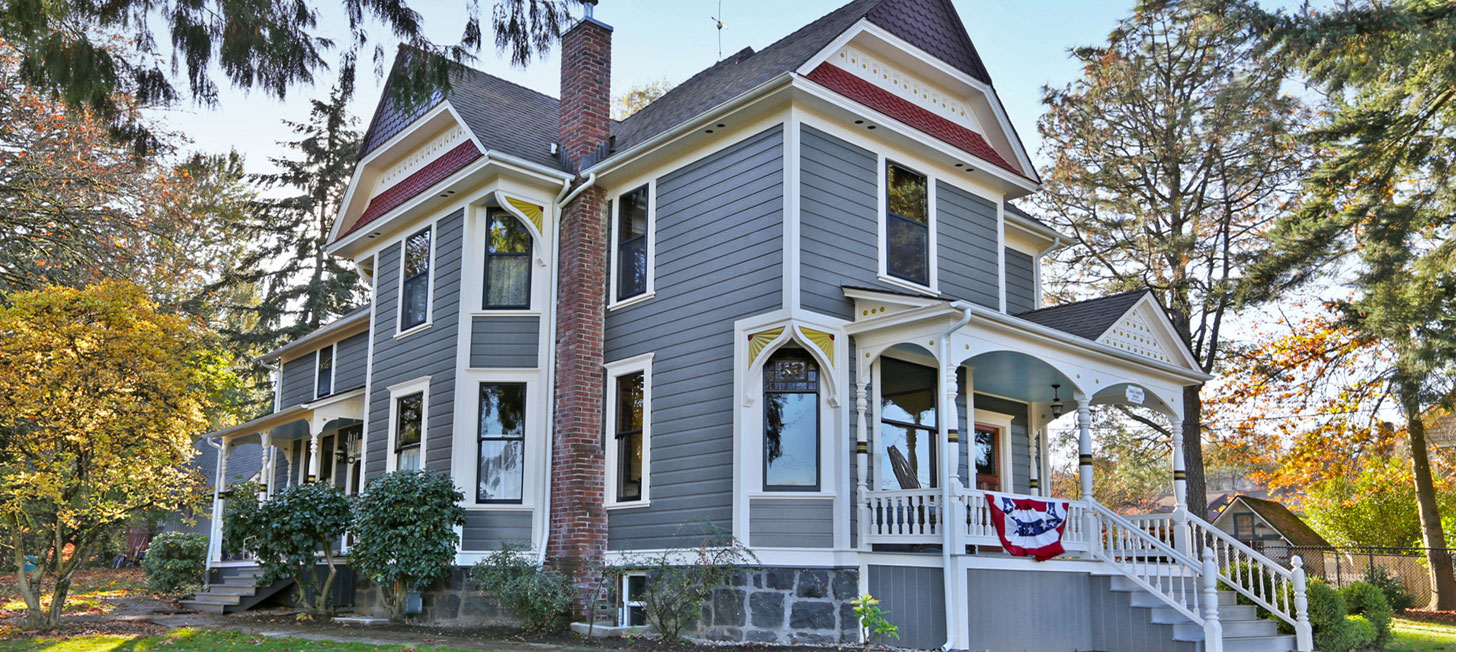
[1029, 526]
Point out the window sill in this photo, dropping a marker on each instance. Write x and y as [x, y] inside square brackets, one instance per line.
[627, 302]
[907, 285]
[416, 329]
[503, 312]
[628, 505]
[499, 507]
[793, 494]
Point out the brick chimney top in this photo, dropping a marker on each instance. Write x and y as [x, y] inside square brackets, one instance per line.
[586, 88]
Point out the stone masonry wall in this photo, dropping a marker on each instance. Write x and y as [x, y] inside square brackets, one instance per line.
[785, 605]
[453, 601]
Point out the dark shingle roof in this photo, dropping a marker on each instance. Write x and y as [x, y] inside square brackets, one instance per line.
[1088, 319]
[508, 117]
[1285, 521]
[933, 26]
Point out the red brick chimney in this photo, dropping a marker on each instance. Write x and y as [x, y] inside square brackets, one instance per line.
[578, 517]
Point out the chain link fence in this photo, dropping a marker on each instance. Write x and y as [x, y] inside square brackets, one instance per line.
[1342, 566]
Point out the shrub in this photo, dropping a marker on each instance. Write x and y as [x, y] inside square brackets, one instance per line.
[1369, 601]
[287, 531]
[1327, 617]
[872, 620]
[1359, 632]
[681, 580]
[174, 564]
[1391, 585]
[540, 596]
[404, 528]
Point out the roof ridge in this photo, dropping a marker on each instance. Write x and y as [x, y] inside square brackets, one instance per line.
[502, 80]
[1084, 301]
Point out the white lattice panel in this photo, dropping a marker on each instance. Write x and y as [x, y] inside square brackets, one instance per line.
[1133, 334]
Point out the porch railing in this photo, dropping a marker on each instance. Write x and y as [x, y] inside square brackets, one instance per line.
[1255, 576]
[912, 516]
[978, 528]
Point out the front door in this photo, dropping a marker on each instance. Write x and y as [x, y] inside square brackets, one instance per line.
[985, 455]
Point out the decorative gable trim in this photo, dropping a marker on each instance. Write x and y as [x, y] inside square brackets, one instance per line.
[899, 82]
[441, 168]
[1144, 330]
[420, 158]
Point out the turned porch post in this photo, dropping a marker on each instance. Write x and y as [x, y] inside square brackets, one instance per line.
[863, 451]
[1083, 425]
[265, 471]
[1179, 472]
[317, 425]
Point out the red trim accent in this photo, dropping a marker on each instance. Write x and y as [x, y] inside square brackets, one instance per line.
[908, 113]
[441, 168]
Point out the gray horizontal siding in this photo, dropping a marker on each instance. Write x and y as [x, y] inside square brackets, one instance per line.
[429, 352]
[1029, 610]
[838, 221]
[968, 253]
[491, 530]
[791, 522]
[504, 341]
[915, 597]
[1019, 437]
[298, 381]
[1019, 281]
[351, 363]
[718, 227]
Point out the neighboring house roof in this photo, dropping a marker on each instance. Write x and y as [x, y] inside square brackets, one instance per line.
[1090, 318]
[1282, 520]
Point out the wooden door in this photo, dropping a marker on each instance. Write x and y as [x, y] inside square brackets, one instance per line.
[985, 456]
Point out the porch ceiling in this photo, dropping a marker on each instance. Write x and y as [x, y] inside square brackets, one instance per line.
[1018, 376]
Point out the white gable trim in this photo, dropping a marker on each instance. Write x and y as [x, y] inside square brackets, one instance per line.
[350, 199]
[1145, 330]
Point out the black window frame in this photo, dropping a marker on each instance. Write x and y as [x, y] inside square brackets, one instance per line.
[620, 436]
[325, 388]
[480, 438]
[421, 278]
[924, 222]
[789, 354]
[398, 445]
[933, 434]
[625, 245]
[490, 256]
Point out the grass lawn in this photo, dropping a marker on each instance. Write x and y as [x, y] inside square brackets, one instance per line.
[1418, 636]
[194, 640]
[88, 588]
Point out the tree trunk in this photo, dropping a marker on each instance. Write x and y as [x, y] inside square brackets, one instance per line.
[1193, 451]
[1439, 559]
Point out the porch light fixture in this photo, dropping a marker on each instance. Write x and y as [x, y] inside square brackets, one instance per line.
[1057, 405]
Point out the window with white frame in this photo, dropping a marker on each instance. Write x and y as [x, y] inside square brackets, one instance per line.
[634, 610]
[909, 432]
[630, 242]
[501, 449]
[408, 422]
[417, 257]
[908, 226]
[629, 383]
[507, 269]
[792, 422]
[325, 361]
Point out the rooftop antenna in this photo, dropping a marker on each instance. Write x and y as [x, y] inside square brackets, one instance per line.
[719, 27]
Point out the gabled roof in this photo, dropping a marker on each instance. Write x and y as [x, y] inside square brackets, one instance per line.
[1090, 318]
[1282, 520]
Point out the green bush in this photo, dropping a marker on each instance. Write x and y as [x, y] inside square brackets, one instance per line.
[1391, 585]
[1359, 633]
[174, 564]
[540, 596]
[289, 534]
[681, 580]
[1367, 600]
[404, 533]
[1327, 617]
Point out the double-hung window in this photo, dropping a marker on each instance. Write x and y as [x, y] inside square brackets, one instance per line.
[631, 244]
[907, 225]
[417, 250]
[325, 358]
[409, 427]
[909, 425]
[792, 450]
[628, 436]
[507, 246]
[501, 442]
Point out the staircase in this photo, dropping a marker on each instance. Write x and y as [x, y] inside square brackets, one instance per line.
[1243, 631]
[236, 590]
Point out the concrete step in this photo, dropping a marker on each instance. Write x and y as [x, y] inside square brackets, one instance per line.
[1190, 631]
[230, 589]
[205, 607]
[217, 599]
[1259, 644]
[239, 581]
[1168, 615]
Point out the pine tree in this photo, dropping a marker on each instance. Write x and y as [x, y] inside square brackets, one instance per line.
[1169, 157]
[1381, 206]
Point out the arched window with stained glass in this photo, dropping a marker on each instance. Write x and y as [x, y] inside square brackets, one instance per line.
[792, 421]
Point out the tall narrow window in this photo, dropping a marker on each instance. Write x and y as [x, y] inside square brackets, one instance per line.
[907, 224]
[325, 358]
[792, 385]
[501, 442]
[629, 434]
[416, 250]
[632, 244]
[409, 432]
[507, 246]
[909, 425]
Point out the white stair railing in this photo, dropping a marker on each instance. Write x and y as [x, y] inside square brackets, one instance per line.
[1174, 578]
[1252, 575]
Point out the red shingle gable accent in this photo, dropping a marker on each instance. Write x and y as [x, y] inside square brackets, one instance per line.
[452, 161]
[910, 114]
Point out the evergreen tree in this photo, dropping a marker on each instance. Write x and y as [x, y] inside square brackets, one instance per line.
[1169, 157]
[1381, 205]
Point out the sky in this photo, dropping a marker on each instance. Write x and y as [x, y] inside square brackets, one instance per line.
[1024, 45]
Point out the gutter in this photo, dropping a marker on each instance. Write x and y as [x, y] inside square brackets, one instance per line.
[949, 527]
[562, 198]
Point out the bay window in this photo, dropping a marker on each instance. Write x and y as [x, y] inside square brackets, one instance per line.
[507, 246]
[501, 446]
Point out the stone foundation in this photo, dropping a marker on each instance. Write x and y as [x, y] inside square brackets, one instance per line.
[453, 601]
[785, 605]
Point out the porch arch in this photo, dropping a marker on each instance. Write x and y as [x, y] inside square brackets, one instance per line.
[803, 336]
[1167, 403]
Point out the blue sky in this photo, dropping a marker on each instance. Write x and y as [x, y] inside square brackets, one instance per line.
[1023, 44]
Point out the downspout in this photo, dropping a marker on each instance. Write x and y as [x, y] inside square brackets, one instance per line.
[1053, 246]
[562, 198]
[945, 423]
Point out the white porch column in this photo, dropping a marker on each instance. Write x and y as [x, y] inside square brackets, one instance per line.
[1179, 471]
[265, 470]
[863, 451]
[1034, 437]
[317, 425]
[1083, 425]
[216, 518]
[950, 407]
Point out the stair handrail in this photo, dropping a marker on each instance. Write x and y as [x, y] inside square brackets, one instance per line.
[1285, 583]
[1196, 568]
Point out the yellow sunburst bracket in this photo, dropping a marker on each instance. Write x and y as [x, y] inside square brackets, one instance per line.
[531, 212]
[824, 341]
[758, 341]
